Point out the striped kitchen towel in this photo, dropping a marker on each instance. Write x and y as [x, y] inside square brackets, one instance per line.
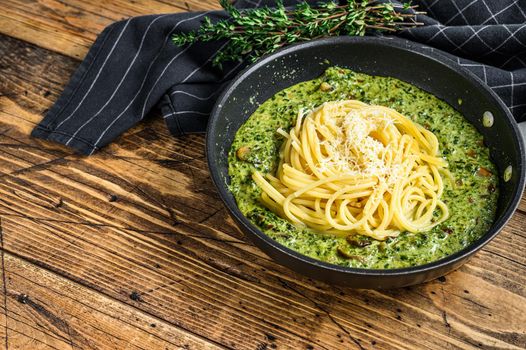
[133, 67]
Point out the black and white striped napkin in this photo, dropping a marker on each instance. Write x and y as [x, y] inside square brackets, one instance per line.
[133, 67]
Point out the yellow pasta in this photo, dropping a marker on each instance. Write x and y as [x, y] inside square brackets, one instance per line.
[348, 167]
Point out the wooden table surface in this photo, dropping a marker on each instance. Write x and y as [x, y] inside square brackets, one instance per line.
[132, 249]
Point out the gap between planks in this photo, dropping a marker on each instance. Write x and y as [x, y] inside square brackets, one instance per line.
[59, 275]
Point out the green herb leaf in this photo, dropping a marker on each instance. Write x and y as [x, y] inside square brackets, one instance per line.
[253, 33]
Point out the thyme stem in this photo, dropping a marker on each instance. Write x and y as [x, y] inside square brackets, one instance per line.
[255, 32]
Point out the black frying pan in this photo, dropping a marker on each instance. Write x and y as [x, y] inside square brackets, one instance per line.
[418, 65]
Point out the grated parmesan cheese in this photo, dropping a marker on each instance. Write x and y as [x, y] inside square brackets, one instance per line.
[355, 151]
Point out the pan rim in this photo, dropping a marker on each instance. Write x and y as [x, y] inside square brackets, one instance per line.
[397, 43]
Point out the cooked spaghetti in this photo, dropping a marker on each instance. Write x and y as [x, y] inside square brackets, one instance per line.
[348, 167]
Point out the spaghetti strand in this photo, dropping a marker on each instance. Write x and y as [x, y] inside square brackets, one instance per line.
[348, 167]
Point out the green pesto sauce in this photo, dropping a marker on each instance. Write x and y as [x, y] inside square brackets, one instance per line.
[471, 197]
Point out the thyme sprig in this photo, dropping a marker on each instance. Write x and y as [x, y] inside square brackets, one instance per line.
[252, 33]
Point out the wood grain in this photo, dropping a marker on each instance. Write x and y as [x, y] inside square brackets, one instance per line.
[136, 235]
[69, 27]
[46, 311]
[3, 299]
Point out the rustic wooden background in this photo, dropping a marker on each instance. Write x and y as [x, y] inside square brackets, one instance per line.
[132, 249]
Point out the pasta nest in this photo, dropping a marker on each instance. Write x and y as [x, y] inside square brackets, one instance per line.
[348, 167]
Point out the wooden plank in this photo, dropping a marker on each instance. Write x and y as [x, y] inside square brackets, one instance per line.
[3, 293]
[522, 204]
[70, 27]
[141, 224]
[46, 311]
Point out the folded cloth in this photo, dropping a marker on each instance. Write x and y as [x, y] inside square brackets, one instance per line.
[133, 67]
